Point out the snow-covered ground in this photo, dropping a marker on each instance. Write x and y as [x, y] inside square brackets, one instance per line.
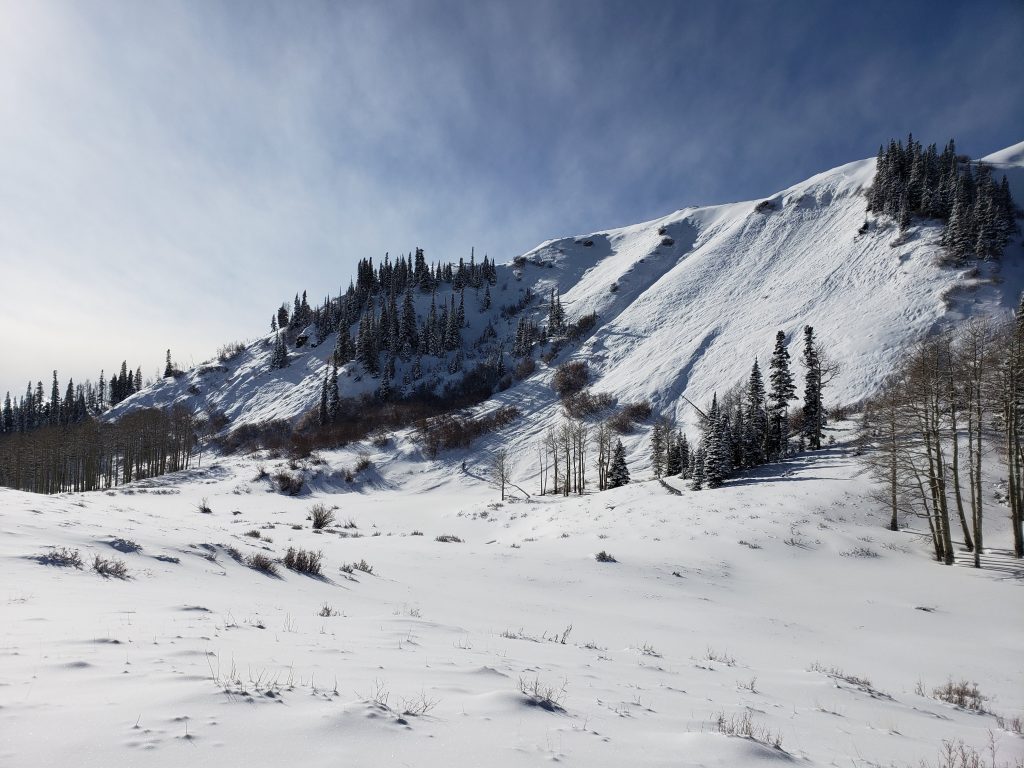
[781, 595]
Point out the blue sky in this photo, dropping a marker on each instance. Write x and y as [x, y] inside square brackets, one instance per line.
[169, 172]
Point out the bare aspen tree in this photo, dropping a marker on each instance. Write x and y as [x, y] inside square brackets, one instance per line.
[500, 465]
[553, 445]
[542, 461]
[603, 442]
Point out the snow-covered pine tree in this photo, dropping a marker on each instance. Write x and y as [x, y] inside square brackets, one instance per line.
[618, 472]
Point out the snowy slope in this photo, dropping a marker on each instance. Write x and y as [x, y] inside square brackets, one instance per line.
[786, 599]
[690, 317]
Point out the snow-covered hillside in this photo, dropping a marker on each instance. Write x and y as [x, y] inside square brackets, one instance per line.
[686, 303]
[775, 619]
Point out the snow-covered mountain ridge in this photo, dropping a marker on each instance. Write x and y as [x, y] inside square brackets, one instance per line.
[686, 302]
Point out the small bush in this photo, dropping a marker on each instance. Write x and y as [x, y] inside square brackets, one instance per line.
[1013, 724]
[586, 403]
[524, 368]
[303, 561]
[321, 516]
[255, 534]
[638, 411]
[542, 695]
[62, 557]
[605, 557]
[362, 566]
[448, 538]
[962, 694]
[289, 483]
[570, 378]
[720, 657]
[631, 413]
[363, 463]
[229, 352]
[862, 552]
[327, 611]
[110, 567]
[260, 562]
[204, 507]
[578, 329]
[743, 725]
[126, 546]
[765, 206]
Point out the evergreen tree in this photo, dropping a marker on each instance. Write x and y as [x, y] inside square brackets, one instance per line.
[279, 357]
[697, 468]
[54, 408]
[715, 461]
[658, 449]
[673, 465]
[684, 457]
[813, 414]
[556, 315]
[322, 414]
[781, 393]
[618, 472]
[7, 416]
[333, 396]
[68, 406]
[755, 419]
[168, 368]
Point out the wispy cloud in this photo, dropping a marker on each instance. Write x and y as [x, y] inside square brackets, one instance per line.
[170, 171]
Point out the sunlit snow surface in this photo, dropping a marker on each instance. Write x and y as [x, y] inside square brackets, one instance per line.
[780, 571]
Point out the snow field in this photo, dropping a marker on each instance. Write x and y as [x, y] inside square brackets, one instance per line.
[781, 596]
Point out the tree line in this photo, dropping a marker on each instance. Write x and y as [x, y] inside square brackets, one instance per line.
[94, 455]
[979, 213]
[928, 436]
[750, 425]
[77, 404]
